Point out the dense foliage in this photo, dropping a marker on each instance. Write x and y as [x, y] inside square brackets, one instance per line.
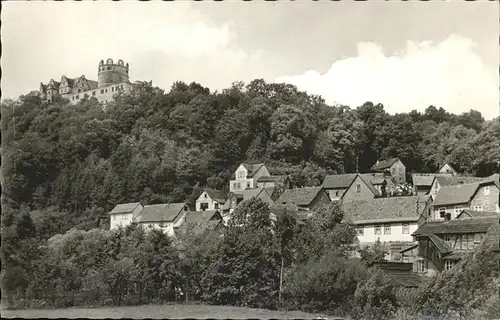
[65, 166]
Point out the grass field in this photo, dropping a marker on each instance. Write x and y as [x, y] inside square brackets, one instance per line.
[175, 311]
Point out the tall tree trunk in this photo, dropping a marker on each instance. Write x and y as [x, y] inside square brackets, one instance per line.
[281, 284]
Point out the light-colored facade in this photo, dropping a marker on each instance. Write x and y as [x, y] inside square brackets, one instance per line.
[208, 201]
[124, 214]
[447, 168]
[386, 231]
[392, 167]
[246, 176]
[113, 79]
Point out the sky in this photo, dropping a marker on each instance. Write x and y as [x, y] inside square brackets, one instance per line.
[405, 55]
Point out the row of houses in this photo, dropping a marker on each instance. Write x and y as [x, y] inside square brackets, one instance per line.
[419, 230]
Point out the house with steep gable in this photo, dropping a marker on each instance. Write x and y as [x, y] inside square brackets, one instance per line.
[246, 176]
[123, 214]
[210, 199]
[447, 180]
[306, 198]
[164, 217]
[197, 222]
[451, 200]
[360, 189]
[422, 182]
[392, 167]
[235, 198]
[448, 169]
[388, 220]
[442, 244]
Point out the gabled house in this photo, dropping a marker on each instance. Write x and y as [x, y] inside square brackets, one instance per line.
[448, 169]
[236, 198]
[422, 182]
[442, 244]
[360, 189]
[124, 214]
[443, 181]
[336, 184]
[391, 167]
[306, 199]
[389, 220]
[246, 176]
[275, 185]
[210, 199]
[451, 200]
[197, 222]
[165, 216]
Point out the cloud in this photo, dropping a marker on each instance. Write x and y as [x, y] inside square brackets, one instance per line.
[447, 74]
[161, 42]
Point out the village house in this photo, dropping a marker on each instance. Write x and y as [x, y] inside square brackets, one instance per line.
[392, 167]
[448, 169]
[388, 220]
[274, 184]
[236, 198]
[443, 181]
[306, 199]
[422, 182]
[124, 214]
[197, 222]
[442, 244]
[246, 176]
[357, 186]
[210, 199]
[451, 200]
[164, 217]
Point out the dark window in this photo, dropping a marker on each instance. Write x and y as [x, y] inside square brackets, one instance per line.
[93, 93]
[203, 206]
[102, 91]
[109, 68]
[216, 206]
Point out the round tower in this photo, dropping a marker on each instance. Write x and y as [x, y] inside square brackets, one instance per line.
[111, 73]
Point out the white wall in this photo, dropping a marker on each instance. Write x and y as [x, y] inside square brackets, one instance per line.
[123, 220]
[104, 94]
[167, 228]
[396, 232]
[205, 198]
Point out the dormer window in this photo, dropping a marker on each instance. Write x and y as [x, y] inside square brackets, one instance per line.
[241, 174]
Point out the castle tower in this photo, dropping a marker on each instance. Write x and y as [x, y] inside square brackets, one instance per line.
[110, 73]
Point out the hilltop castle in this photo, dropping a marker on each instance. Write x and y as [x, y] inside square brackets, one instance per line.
[112, 79]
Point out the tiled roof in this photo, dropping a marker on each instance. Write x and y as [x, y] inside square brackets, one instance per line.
[199, 221]
[272, 178]
[338, 181]
[252, 168]
[456, 226]
[426, 179]
[93, 84]
[384, 164]
[166, 212]
[467, 213]
[440, 244]
[249, 193]
[454, 180]
[125, 208]
[216, 195]
[385, 209]
[459, 193]
[300, 196]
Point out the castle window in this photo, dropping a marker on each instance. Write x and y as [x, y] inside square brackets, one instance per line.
[109, 68]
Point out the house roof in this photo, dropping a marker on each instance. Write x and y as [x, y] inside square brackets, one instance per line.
[370, 181]
[467, 213]
[198, 221]
[216, 195]
[272, 178]
[456, 226]
[426, 179]
[385, 209]
[249, 193]
[460, 193]
[449, 165]
[384, 164]
[125, 208]
[338, 181]
[440, 244]
[252, 168]
[299, 196]
[166, 212]
[454, 180]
